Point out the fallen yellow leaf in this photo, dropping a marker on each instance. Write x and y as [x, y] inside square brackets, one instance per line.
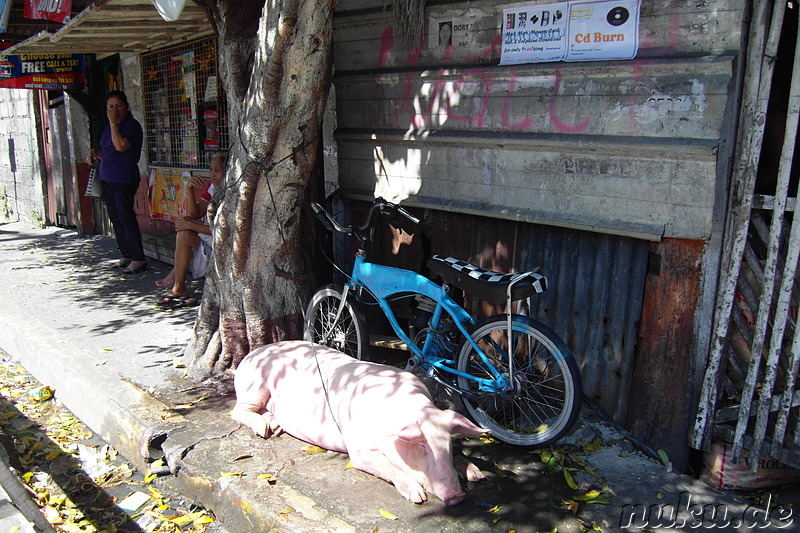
[387, 514]
[311, 449]
[240, 473]
[52, 515]
[589, 496]
[187, 518]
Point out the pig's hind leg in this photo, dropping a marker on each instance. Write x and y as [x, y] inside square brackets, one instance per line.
[375, 463]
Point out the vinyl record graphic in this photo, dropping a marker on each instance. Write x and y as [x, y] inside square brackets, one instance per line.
[618, 16]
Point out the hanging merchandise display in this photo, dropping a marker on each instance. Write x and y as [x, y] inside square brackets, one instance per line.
[55, 11]
[211, 141]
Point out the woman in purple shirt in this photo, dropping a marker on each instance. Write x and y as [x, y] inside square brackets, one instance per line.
[120, 149]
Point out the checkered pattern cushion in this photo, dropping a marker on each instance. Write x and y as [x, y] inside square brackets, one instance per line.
[538, 281]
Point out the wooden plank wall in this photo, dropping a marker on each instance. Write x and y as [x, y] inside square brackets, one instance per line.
[619, 147]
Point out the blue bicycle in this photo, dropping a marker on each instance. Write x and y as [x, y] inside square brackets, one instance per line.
[516, 377]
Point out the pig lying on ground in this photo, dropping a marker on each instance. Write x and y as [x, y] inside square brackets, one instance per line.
[382, 416]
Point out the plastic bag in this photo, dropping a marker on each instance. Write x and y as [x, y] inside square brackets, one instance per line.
[169, 10]
[93, 187]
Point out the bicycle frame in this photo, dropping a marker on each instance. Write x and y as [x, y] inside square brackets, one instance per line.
[384, 282]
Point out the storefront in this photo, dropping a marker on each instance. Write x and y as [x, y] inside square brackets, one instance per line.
[168, 69]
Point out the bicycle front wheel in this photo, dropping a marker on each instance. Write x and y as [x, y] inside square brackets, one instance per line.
[544, 394]
[348, 335]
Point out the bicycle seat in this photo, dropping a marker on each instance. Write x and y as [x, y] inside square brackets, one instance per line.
[486, 284]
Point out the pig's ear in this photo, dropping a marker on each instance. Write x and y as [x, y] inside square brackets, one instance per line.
[410, 433]
[461, 425]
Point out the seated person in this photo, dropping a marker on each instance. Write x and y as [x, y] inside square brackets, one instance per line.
[193, 238]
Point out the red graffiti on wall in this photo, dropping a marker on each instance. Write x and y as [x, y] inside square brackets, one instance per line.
[443, 94]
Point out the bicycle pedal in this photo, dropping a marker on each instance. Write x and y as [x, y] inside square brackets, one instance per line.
[412, 364]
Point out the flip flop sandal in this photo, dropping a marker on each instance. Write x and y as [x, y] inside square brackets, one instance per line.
[171, 302]
[176, 302]
[190, 302]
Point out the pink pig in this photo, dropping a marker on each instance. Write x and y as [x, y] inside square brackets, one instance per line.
[382, 416]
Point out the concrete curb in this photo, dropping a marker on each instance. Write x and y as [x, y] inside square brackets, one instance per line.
[120, 412]
[138, 425]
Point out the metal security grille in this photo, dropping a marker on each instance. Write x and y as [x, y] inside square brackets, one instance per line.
[751, 395]
[185, 112]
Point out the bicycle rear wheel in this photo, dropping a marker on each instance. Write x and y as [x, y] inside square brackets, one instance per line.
[348, 335]
[546, 390]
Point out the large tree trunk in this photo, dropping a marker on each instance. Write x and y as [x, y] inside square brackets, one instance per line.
[275, 63]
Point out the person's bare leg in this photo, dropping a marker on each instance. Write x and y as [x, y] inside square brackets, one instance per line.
[185, 242]
[169, 280]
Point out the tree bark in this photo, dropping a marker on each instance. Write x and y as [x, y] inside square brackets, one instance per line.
[275, 66]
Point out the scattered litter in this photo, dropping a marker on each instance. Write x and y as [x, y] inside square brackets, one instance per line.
[95, 460]
[134, 501]
[41, 394]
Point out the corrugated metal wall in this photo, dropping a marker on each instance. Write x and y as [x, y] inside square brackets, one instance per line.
[595, 300]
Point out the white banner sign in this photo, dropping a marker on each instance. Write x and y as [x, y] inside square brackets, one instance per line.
[571, 31]
[535, 33]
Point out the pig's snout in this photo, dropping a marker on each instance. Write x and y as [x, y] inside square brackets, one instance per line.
[454, 498]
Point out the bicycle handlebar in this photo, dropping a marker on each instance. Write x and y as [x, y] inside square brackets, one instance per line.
[398, 217]
[328, 221]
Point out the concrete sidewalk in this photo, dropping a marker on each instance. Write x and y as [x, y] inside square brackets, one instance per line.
[94, 335]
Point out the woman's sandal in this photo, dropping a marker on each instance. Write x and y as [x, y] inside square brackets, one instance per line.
[135, 269]
[122, 263]
[176, 302]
